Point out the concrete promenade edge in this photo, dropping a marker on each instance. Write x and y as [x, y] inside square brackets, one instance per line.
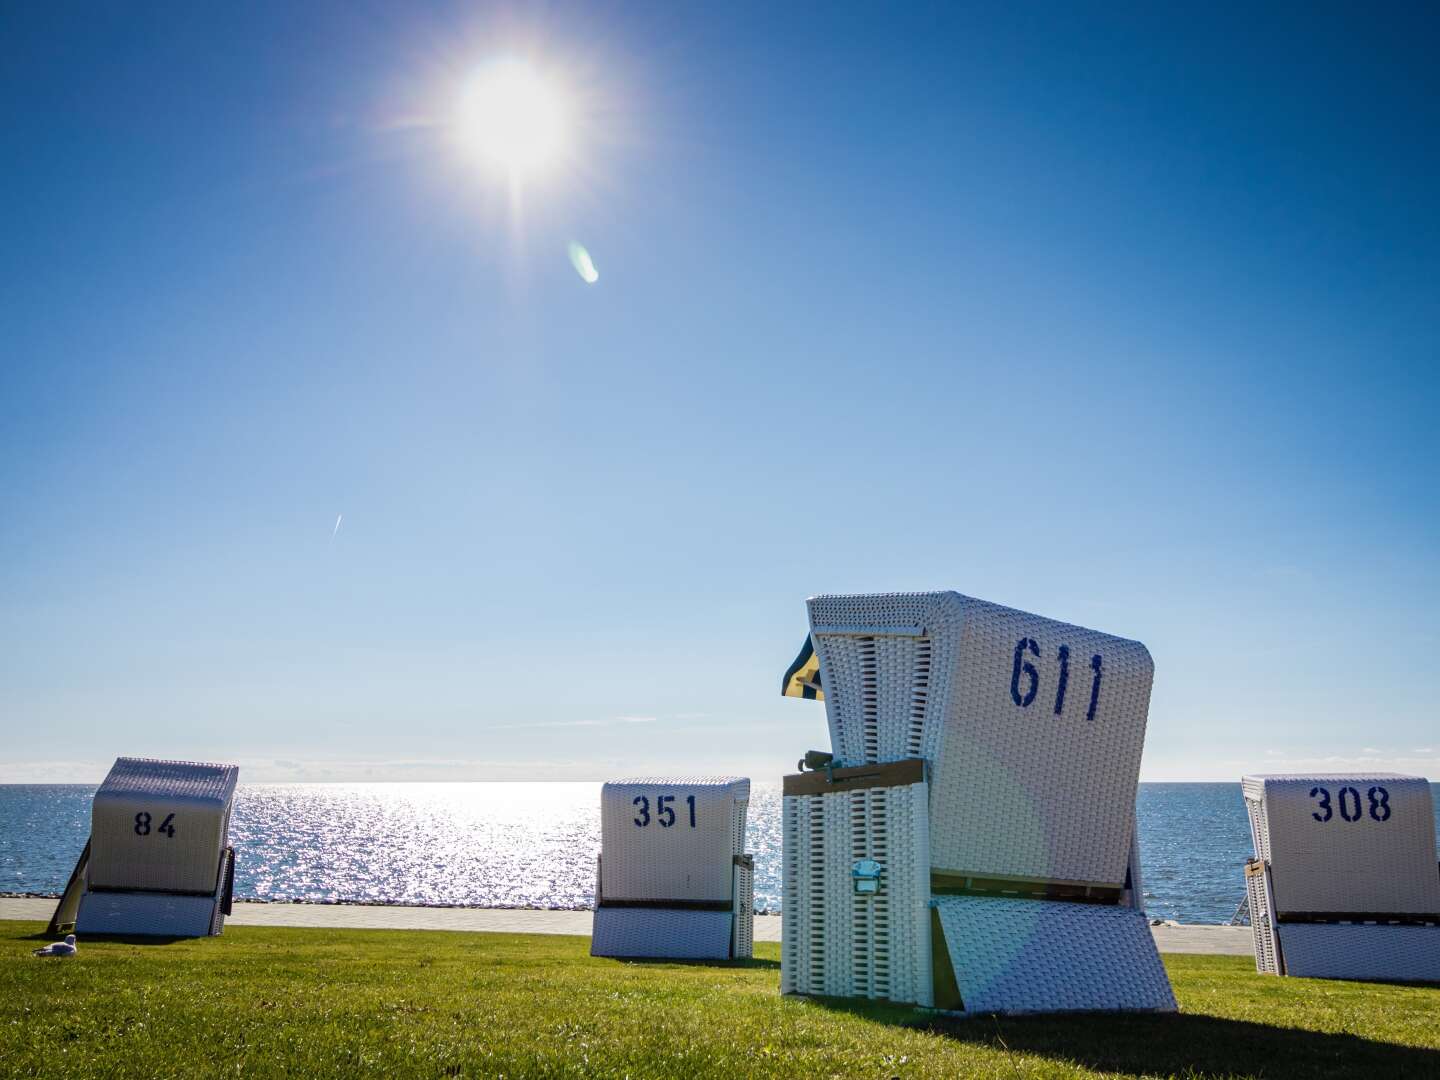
[1212, 940]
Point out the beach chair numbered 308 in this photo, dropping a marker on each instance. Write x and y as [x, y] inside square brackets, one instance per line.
[158, 862]
[674, 880]
[1344, 883]
[1031, 732]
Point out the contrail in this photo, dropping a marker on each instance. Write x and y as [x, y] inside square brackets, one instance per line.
[337, 526]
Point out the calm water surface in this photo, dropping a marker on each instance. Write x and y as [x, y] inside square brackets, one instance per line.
[534, 844]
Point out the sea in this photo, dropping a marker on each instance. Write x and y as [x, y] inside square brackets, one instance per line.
[533, 845]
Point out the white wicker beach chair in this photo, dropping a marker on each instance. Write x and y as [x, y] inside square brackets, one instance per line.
[158, 861]
[1032, 730]
[1344, 883]
[674, 880]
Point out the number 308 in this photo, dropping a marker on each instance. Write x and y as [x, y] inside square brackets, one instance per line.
[1349, 800]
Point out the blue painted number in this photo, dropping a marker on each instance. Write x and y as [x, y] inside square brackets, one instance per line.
[1349, 815]
[1064, 679]
[1382, 803]
[1095, 663]
[664, 812]
[1022, 667]
[1350, 808]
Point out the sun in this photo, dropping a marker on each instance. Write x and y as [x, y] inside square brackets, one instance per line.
[511, 117]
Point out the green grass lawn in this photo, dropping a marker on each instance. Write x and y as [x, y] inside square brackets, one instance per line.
[270, 1001]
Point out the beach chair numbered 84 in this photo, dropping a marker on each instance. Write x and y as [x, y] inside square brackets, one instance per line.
[158, 861]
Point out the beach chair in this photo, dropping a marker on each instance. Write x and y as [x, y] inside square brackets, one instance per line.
[673, 879]
[1031, 731]
[1344, 883]
[158, 861]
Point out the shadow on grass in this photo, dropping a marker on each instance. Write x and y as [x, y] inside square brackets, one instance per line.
[118, 939]
[754, 962]
[1146, 1044]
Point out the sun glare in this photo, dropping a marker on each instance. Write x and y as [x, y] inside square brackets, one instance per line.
[512, 118]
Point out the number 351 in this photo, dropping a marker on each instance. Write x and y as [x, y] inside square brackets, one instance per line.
[664, 812]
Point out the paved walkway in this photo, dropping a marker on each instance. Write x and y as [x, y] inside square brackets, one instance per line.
[1215, 940]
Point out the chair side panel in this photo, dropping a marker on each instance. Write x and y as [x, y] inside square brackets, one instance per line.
[1262, 927]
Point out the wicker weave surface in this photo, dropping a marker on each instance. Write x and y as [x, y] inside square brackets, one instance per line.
[886, 661]
[152, 914]
[656, 861]
[1017, 788]
[148, 915]
[1329, 853]
[1262, 918]
[1353, 951]
[662, 933]
[1019, 956]
[742, 944]
[135, 811]
[835, 941]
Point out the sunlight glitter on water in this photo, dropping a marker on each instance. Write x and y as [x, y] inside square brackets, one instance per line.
[494, 845]
[534, 844]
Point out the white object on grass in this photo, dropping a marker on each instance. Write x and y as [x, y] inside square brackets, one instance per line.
[158, 861]
[674, 879]
[1344, 882]
[59, 948]
[1031, 731]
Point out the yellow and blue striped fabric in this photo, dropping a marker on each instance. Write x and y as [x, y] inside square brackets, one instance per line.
[802, 678]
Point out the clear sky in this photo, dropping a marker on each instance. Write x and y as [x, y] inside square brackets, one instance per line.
[1130, 317]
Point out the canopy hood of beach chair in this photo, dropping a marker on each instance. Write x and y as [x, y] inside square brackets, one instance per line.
[802, 678]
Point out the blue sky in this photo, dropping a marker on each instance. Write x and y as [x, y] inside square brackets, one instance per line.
[1127, 316]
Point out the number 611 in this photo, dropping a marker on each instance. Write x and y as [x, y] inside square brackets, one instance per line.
[1025, 648]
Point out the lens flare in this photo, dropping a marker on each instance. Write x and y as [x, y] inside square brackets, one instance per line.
[584, 265]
